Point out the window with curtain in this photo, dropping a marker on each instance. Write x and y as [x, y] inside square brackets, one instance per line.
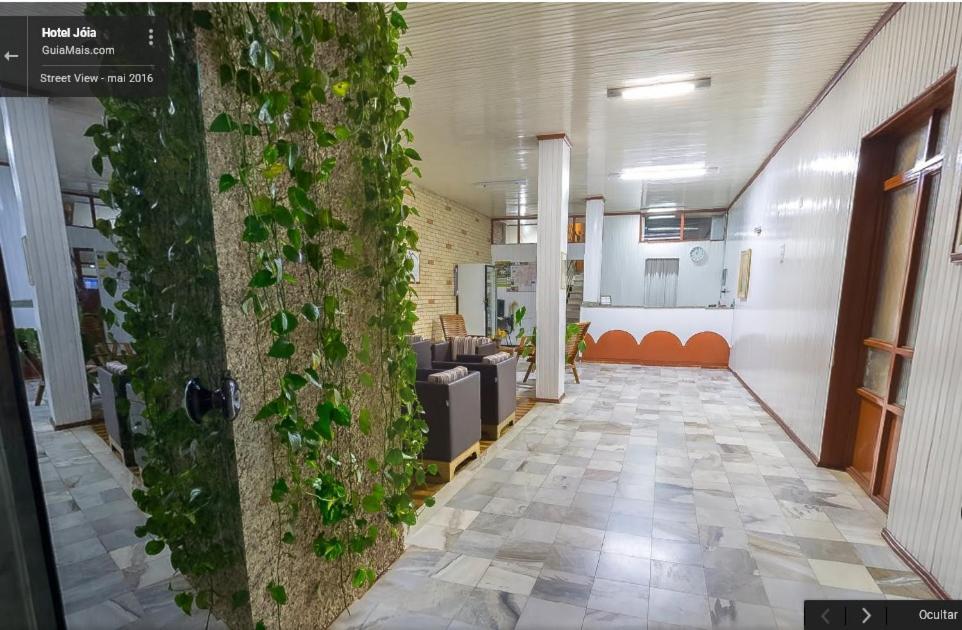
[661, 282]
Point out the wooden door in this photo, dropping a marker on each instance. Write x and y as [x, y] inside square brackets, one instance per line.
[908, 194]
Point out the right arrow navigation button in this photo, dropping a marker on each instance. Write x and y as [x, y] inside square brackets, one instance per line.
[867, 616]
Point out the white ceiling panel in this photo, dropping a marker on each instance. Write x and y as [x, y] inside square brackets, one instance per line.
[491, 77]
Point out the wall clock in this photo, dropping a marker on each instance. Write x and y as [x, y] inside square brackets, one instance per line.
[698, 254]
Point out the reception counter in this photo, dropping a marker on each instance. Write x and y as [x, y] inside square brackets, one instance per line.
[699, 337]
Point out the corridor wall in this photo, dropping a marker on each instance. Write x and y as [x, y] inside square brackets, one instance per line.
[448, 234]
[784, 332]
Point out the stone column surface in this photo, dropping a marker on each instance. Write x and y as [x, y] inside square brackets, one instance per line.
[554, 155]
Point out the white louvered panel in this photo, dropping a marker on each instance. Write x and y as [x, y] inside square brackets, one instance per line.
[784, 333]
[34, 172]
[491, 77]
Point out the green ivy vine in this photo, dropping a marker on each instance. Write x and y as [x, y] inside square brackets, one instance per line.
[298, 133]
[164, 233]
[321, 158]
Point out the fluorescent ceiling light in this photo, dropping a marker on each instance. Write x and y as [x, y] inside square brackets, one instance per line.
[662, 209]
[661, 172]
[659, 87]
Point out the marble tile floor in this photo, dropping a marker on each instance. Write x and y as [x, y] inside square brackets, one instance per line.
[107, 581]
[650, 498]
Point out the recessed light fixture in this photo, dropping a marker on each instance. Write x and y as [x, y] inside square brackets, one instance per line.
[661, 172]
[660, 87]
[661, 209]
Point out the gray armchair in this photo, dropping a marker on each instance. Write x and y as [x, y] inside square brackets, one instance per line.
[499, 391]
[453, 415]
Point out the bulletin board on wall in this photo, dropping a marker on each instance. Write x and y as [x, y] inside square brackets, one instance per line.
[520, 277]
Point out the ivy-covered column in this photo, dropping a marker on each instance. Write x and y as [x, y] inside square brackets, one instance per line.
[304, 108]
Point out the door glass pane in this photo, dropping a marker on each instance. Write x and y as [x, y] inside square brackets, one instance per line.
[697, 227]
[876, 374]
[866, 435]
[916, 305]
[942, 132]
[529, 231]
[910, 150]
[902, 389]
[895, 245]
[661, 227]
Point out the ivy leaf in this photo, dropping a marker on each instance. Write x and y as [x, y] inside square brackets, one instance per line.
[254, 230]
[372, 465]
[394, 457]
[342, 132]
[310, 312]
[273, 171]
[97, 163]
[408, 80]
[184, 601]
[288, 538]
[283, 323]
[312, 251]
[281, 349]
[263, 278]
[279, 490]
[300, 200]
[226, 74]
[263, 205]
[330, 306]
[411, 153]
[429, 501]
[358, 579]
[341, 415]
[371, 504]
[397, 20]
[294, 381]
[222, 123]
[110, 286]
[340, 88]
[364, 422]
[153, 547]
[226, 182]
[340, 259]
[203, 19]
[278, 593]
[291, 253]
[323, 428]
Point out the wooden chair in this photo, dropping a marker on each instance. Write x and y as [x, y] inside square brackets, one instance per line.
[452, 325]
[571, 351]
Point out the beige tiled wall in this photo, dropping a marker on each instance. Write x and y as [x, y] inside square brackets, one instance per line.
[449, 233]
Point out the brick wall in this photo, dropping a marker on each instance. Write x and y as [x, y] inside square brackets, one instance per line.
[449, 233]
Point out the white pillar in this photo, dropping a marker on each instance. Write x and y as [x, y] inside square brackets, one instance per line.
[554, 154]
[594, 231]
[33, 168]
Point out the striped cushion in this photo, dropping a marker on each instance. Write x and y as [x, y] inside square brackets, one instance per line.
[466, 345]
[448, 376]
[496, 358]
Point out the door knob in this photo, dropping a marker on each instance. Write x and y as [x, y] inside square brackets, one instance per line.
[199, 401]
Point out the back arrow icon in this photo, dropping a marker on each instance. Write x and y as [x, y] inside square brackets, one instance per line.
[9, 55]
[868, 616]
[825, 616]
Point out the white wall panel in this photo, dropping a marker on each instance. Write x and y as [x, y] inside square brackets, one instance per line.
[623, 265]
[784, 333]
